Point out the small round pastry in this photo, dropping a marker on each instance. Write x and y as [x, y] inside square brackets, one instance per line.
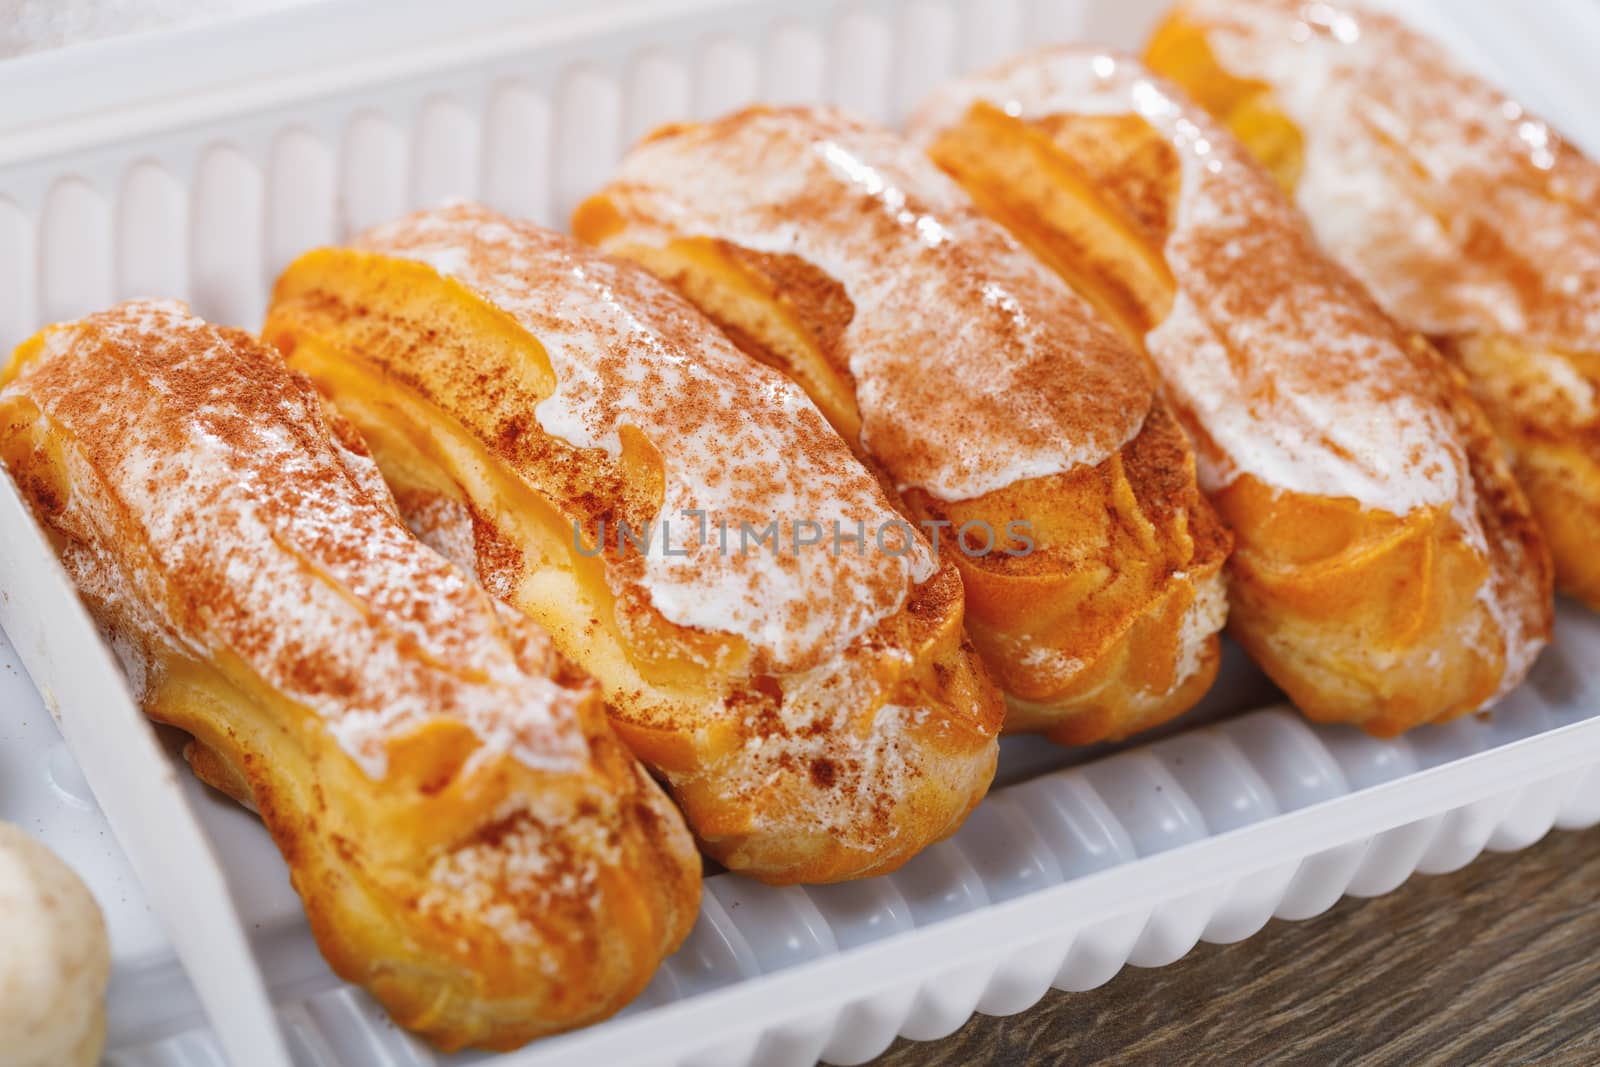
[54, 959]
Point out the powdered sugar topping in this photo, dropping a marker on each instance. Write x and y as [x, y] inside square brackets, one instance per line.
[272, 545]
[1295, 378]
[1462, 212]
[737, 442]
[974, 366]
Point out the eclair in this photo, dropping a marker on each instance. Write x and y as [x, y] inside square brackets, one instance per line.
[782, 648]
[1469, 219]
[1008, 419]
[472, 843]
[1387, 571]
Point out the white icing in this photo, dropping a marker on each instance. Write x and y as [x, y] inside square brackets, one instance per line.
[615, 338]
[1555, 383]
[1295, 391]
[1412, 162]
[960, 344]
[234, 494]
[1364, 422]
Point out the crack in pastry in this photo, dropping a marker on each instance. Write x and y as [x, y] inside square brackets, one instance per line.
[813, 706]
[988, 397]
[1471, 220]
[472, 843]
[1387, 570]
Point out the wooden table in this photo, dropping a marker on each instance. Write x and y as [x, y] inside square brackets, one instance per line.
[1498, 963]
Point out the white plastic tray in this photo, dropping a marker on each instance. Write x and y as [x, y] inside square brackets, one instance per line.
[197, 163]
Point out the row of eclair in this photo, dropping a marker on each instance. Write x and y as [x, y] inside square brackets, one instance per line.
[822, 454]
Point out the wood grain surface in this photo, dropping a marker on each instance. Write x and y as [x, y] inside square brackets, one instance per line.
[1497, 964]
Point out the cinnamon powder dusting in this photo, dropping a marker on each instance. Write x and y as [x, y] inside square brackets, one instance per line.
[975, 367]
[1461, 211]
[213, 503]
[1280, 361]
[1287, 367]
[737, 444]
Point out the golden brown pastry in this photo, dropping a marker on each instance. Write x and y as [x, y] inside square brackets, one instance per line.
[1469, 219]
[1012, 422]
[611, 465]
[472, 843]
[1386, 571]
